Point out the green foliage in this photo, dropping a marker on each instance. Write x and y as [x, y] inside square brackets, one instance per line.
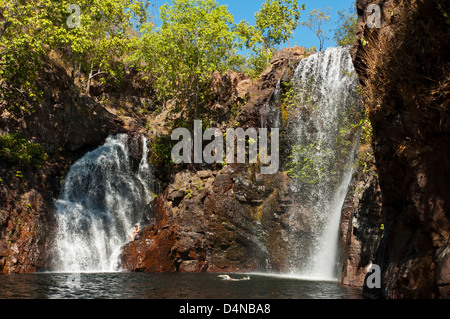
[310, 163]
[195, 39]
[161, 151]
[23, 42]
[315, 22]
[29, 30]
[345, 34]
[275, 24]
[258, 61]
[277, 20]
[364, 41]
[199, 186]
[15, 149]
[103, 35]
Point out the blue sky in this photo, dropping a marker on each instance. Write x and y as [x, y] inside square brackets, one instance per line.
[246, 9]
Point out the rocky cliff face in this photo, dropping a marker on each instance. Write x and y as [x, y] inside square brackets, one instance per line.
[404, 70]
[223, 220]
[361, 228]
[231, 220]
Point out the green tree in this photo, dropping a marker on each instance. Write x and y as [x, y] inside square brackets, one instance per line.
[345, 34]
[315, 22]
[275, 24]
[277, 21]
[103, 36]
[15, 149]
[24, 40]
[29, 30]
[195, 39]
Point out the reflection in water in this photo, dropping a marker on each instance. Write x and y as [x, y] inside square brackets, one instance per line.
[167, 286]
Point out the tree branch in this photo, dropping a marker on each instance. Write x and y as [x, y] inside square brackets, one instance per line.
[98, 73]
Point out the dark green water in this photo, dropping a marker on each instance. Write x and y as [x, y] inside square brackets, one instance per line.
[166, 286]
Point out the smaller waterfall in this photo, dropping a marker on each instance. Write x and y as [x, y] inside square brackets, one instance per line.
[104, 195]
[327, 105]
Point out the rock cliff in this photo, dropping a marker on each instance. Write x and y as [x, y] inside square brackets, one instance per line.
[361, 228]
[227, 219]
[216, 221]
[404, 70]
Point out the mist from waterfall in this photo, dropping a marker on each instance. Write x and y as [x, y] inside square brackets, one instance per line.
[104, 195]
[326, 103]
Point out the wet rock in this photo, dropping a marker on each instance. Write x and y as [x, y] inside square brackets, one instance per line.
[216, 232]
[443, 272]
[152, 253]
[190, 266]
[361, 229]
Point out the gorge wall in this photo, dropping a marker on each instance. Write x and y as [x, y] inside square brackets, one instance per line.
[230, 219]
[404, 70]
[234, 219]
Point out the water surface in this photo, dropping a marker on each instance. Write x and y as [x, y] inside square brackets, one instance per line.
[166, 286]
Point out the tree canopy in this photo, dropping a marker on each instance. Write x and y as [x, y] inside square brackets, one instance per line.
[345, 34]
[195, 39]
[315, 22]
[90, 33]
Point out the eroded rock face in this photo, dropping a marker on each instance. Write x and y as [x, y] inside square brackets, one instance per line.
[22, 226]
[407, 102]
[261, 91]
[362, 228]
[220, 221]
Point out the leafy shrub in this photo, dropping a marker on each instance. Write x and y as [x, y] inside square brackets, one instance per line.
[15, 149]
[161, 151]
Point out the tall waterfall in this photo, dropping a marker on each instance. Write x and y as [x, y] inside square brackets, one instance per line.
[104, 195]
[326, 104]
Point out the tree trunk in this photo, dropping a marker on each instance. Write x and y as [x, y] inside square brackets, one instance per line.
[88, 86]
[196, 99]
[91, 76]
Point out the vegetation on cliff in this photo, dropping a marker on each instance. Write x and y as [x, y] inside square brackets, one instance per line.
[15, 149]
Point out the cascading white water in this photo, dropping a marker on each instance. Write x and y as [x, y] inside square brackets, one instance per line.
[327, 104]
[104, 195]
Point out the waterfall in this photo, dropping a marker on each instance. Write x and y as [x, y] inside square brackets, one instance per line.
[326, 105]
[104, 195]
